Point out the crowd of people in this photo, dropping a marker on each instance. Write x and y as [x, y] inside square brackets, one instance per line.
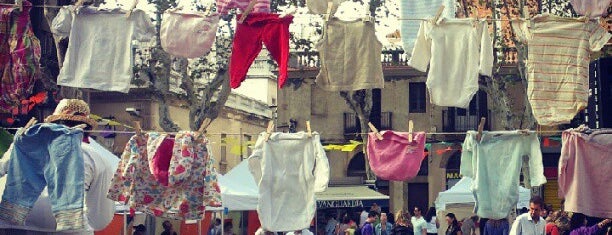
[539, 219]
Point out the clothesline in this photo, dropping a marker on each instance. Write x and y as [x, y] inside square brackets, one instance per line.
[246, 133]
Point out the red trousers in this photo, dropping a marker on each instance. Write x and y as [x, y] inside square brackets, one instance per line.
[256, 29]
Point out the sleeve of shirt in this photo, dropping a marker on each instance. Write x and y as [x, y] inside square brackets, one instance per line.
[516, 228]
[486, 51]
[536, 167]
[62, 23]
[144, 28]
[599, 37]
[467, 167]
[255, 159]
[321, 171]
[421, 53]
[567, 150]
[98, 176]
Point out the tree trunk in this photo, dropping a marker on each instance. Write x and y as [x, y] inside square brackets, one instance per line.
[361, 103]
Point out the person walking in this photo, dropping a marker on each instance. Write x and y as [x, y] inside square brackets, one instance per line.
[530, 223]
[418, 222]
[551, 227]
[497, 227]
[453, 225]
[168, 230]
[402, 224]
[432, 222]
[468, 227]
[330, 227]
[384, 228]
[368, 227]
[578, 225]
[343, 226]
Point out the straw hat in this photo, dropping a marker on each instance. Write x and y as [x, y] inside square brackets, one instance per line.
[72, 110]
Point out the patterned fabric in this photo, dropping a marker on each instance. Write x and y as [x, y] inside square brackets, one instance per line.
[19, 56]
[558, 66]
[192, 183]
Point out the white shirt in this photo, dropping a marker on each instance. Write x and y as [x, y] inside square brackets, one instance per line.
[418, 224]
[100, 166]
[304, 232]
[431, 225]
[99, 54]
[456, 50]
[288, 169]
[524, 225]
[362, 218]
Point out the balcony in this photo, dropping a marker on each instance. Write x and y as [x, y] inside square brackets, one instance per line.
[459, 120]
[352, 125]
[392, 58]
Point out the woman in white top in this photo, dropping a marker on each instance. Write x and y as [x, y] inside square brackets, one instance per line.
[432, 222]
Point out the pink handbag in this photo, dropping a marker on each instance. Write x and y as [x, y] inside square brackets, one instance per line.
[188, 34]
[394, 158]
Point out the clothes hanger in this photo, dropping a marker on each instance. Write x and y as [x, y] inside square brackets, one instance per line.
[309, 131]
[247, 11]
[410, 128]
[373, 129]
[269, 130]
[481, 128]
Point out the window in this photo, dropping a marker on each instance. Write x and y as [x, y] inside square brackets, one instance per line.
[417, 97]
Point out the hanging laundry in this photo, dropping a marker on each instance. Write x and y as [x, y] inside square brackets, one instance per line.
[188, 34]
[258, 28]
[558, 64]
[288, 169]
[224, 6]
[192, 181]
[456, 50]
[340, 69]
[495, 164]
[49, 155]
[584, 172]
[160, 151]
[591, 8]
[99, 52]
[420, 9]
[19, 56]
[320, 6]
[395, 157]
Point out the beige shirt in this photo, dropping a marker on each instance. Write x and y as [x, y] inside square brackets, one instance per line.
[350, 56]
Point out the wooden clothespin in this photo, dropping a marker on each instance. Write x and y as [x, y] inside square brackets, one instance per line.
[247, 11]
[410, 128]
[368, 17]
[129, 12]
[269, 130]
[204, 125]
[373, 129]
[481, 127]
[19, 4]
[137, 128]
[30, 123]
[308, 129]
[329, 10]
[438, 14]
